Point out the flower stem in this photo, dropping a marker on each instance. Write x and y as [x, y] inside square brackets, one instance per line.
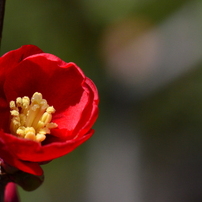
[2, 191]
[2, 9]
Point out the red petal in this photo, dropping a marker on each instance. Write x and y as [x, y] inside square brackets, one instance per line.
[77, 120]
[59, 82]
[70, 117]
[12, 58]
[8, 155]
[90, 112]
[7, 62]
[27, 150]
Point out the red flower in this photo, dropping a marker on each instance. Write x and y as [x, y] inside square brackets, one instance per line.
[64, 86]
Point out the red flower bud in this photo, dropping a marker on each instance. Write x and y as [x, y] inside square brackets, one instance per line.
[11, 194]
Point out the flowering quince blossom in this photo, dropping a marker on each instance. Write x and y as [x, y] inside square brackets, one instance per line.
[47, 108]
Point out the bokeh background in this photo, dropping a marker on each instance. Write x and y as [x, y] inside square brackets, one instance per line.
[145, 56]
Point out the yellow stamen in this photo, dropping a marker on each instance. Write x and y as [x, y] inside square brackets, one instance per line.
[31, 119]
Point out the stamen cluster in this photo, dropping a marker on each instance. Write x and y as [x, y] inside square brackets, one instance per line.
[31, 119]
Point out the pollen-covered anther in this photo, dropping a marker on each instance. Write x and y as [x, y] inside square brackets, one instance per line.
[31, 118]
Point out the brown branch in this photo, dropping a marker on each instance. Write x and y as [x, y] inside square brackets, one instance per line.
[2, 9]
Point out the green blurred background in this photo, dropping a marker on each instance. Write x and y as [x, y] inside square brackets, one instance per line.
[145, 56]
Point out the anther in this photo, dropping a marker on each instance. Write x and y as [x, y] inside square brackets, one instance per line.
[31, 118]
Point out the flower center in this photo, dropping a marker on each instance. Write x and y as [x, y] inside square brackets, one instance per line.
[31, 119]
